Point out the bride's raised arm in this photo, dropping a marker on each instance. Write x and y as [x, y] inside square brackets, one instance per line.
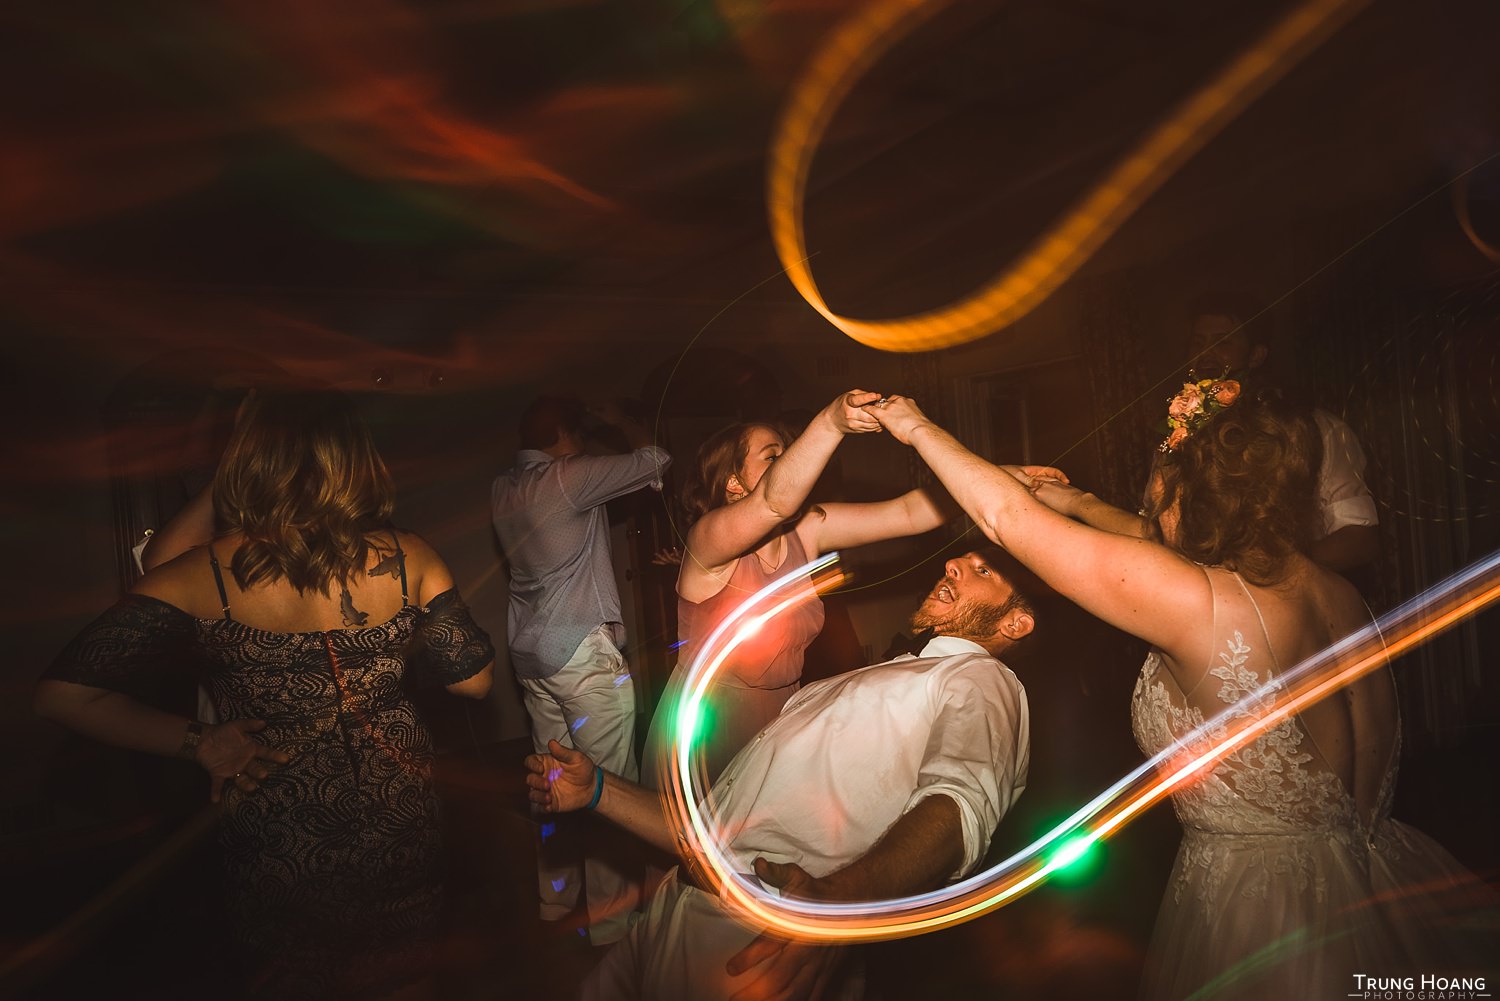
[1136, 585]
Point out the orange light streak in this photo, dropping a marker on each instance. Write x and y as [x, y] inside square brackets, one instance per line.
[1440, 608]
[861, 41]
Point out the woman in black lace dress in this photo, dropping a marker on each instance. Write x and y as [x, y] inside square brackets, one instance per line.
[306, 618]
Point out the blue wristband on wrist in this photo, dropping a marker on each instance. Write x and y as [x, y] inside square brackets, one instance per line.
[598, 787]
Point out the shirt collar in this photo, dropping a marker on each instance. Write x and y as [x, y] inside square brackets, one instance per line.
[947, 646]
[528, 457]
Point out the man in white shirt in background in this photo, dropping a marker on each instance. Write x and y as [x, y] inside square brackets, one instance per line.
[564, 622]
[879, 783]
[1226, 336]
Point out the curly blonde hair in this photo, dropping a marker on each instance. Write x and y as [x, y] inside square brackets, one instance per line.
[302, 480]
[1246, 483]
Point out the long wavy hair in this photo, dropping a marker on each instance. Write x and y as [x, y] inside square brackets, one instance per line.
[1246, 483]
[720, 457]
[302, 480]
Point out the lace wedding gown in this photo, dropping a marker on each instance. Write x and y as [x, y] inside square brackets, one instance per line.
[1287, 884]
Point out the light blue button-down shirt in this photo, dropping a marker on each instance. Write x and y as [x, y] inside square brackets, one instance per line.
[549, 515]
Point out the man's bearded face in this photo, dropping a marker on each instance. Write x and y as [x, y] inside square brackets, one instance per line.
[969, 601]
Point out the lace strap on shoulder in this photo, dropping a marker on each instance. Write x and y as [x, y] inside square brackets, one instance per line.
[1264, 632]
[1207, 671]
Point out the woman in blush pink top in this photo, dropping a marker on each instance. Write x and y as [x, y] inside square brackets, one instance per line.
[748, 526]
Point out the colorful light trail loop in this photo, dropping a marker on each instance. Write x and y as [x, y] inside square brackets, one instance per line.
[860, 42]
[1440, 608]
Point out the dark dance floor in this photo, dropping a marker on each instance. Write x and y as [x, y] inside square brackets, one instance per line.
[165, 935]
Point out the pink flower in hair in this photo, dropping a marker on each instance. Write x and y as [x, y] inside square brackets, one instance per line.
[1194, 406]
[1187, 402]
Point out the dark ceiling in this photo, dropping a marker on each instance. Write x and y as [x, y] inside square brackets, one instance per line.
[394, 171]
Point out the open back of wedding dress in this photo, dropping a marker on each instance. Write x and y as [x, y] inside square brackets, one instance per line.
[1292, 876]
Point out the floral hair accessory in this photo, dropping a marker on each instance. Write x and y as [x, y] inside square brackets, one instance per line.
[1194, 406]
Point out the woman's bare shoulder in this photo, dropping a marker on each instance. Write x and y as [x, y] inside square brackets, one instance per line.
[419, 552]
[1326, 599]
[697, 583]
[185, 581]
[1345, 604]
[427, 573]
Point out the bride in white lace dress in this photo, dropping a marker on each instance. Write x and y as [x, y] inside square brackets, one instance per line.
[1292, 877]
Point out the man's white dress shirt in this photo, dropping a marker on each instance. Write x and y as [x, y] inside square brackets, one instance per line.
[820, 786]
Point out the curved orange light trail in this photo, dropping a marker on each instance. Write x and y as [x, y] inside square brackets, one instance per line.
[1438, 609]
[1466, 219]
[860, 42]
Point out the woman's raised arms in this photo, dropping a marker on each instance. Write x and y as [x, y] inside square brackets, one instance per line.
[1136, 585]
[730, 531]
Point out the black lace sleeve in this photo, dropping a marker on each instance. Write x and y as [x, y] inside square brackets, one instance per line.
[126, 649]
[450, 645]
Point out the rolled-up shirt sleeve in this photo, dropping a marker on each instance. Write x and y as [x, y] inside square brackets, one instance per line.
[977, 753]
[1343, 497]
[590, 480]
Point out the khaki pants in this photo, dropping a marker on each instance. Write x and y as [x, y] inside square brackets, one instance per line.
[589, 704]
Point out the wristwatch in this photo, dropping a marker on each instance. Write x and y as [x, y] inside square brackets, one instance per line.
[190, 741]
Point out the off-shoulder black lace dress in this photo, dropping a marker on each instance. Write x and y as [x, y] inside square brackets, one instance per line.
[335, 863]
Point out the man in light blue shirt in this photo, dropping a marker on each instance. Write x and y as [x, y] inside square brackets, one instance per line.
[564, 622]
